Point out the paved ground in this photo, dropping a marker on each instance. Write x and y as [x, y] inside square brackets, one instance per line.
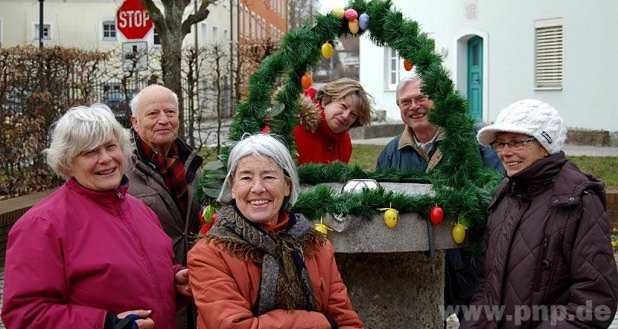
[568, 149]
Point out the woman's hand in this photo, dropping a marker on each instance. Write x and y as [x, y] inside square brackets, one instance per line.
[144, 321]
[181, 279]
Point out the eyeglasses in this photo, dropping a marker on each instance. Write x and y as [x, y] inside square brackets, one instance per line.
[405, 102]
[516, 144]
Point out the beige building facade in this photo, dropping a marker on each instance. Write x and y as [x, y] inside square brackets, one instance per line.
[90, 24]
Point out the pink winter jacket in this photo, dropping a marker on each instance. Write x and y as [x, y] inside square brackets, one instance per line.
[79, 254]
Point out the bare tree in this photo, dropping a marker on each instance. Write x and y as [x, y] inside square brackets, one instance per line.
[172, 31]
[301, 11]
[217, 75]
[191, 87]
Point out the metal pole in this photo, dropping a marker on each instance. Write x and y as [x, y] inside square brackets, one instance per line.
[41, 23]
[197, 63]
[236, 98]
[230, 109]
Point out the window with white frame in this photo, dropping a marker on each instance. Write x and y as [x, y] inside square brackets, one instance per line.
[249, 24]
[262, 28]
[391, 68]
[244, 26]
[548, 54]
[109, 30]
[215, 34]
[156, 39]
[253, 26]
[204, 33]
[46, 31]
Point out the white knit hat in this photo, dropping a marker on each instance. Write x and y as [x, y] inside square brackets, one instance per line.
[531, 117]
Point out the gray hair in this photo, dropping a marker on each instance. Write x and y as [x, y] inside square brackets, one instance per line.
[403, 83]
[80, 129]
[262, 145]
[134, 104]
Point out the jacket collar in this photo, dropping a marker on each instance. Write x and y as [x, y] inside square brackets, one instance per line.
[191, 160]
[109, 199]
[184, 150]
[554, 172]
[539, 176]
[433, 158]
[407, 137]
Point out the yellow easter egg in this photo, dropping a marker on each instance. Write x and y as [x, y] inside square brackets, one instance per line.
[327, 50]
[338, 12]
[322, 228]
[458, 233]
[391, 217]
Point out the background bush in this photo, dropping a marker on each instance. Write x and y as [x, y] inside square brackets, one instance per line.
[36, 87]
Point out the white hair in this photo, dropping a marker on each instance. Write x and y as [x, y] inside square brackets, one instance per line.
[403, 83]
[134, 104]
[262, 145]
[81, 129]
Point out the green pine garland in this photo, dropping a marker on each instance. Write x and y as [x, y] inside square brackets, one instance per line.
[462, 186]
[338, 172]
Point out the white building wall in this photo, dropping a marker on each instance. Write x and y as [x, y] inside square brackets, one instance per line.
[507, 27]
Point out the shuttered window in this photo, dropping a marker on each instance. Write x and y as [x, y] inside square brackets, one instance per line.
[391, 68]
[549, 54]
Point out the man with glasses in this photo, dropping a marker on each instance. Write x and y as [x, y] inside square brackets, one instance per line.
[416, 149]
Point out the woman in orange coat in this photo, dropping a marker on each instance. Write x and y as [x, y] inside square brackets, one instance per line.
[261, 266]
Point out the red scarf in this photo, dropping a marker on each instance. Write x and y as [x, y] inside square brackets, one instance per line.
[173, 172]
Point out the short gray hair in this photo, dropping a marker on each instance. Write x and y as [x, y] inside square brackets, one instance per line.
[403, 83]
[134, 104]
[262, 145]
[80, 129]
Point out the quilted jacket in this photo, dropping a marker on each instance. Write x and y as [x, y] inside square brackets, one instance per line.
[547, 247]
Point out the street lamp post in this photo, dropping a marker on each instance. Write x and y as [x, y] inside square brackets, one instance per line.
[41, 23]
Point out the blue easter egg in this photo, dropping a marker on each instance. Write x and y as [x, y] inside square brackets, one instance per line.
[363, 21]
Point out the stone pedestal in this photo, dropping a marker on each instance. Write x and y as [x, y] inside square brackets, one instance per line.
[392, 281]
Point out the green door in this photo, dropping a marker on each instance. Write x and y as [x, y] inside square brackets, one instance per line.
[475, 78]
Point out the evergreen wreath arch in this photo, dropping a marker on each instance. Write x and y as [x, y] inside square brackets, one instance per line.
[461, 185]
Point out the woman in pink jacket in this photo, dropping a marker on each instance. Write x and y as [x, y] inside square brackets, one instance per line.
[261, 266]
[90, 255]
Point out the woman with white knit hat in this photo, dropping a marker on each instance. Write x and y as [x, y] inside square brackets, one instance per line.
[547, 257]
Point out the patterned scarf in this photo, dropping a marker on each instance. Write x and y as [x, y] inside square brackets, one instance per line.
[171, 169]
[285, 281]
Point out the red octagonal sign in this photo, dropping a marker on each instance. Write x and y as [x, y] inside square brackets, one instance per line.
[132, 19]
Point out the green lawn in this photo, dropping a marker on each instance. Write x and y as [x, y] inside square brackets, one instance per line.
[604, 168]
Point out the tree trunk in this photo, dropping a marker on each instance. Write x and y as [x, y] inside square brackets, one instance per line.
[172, 30]
[171, 60]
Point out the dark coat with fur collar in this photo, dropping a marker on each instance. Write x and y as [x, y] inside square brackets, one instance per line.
[547, 243]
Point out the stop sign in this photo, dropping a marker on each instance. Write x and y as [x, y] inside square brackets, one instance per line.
[132, 19]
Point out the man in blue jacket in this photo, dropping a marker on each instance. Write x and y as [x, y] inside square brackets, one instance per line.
[416, 149]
